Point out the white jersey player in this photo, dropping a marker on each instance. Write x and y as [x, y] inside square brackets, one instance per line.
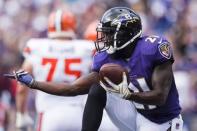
[58, 58]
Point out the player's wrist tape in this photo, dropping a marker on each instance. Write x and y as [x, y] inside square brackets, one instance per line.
[33, 84]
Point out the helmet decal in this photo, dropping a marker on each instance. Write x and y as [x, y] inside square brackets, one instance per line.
[124, 19]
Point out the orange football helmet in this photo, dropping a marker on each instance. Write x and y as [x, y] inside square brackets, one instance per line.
[90, 33]
[61, 24]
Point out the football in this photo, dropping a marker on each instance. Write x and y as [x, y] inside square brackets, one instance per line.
[112, 71]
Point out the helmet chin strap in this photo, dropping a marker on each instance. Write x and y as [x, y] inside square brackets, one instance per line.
[111, 50]
[130, 41]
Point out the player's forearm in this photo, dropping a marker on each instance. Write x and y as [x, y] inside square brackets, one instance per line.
[149, 98]
[60, 89]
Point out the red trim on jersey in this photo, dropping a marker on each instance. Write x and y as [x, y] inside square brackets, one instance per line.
[39, 124]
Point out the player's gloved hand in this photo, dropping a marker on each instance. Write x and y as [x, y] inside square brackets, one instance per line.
[121, 89]
[23, 120]
[21, 76]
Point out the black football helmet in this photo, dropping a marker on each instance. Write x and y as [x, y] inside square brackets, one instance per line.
[118, 28]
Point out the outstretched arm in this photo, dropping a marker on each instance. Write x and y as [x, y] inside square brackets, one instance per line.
[78, 87]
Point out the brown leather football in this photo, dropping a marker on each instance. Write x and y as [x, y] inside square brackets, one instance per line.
[112, 71]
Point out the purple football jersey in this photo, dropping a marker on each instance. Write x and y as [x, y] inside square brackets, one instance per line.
[149, 52]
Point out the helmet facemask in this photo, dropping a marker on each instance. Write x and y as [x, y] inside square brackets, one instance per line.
[117, 29]
[114, 39]
[105, 38]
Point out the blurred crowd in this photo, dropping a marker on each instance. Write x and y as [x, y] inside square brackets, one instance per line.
[21, 20]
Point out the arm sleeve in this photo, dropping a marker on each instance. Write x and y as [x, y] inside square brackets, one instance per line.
[94, 107]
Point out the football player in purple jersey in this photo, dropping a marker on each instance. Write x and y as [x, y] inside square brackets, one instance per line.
[151, 87]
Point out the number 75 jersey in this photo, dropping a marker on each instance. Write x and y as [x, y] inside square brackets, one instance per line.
[58, 61]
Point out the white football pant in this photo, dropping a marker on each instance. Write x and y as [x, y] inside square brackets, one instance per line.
[143, 124]
[121, 112]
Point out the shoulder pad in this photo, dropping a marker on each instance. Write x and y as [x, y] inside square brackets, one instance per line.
[152, 43]
[157, 49]
[33, 45]
[98, 60]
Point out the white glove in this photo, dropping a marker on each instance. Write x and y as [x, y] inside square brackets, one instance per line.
[23, 120]
[121, 89]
